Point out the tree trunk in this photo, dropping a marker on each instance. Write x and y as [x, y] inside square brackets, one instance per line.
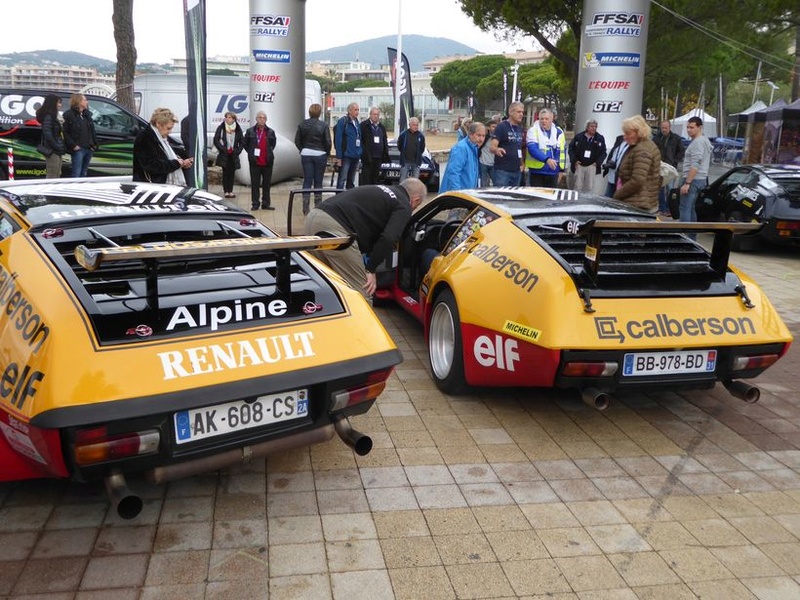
[126, 52]
[796, 74]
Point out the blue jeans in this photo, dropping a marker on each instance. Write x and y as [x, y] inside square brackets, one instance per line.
[688, 212]
[487, 175]
[505, 178]
[407, 171]
[313, 173]
[80, 162]
[347, 173]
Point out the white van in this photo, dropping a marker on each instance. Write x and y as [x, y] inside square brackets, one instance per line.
[225, 93]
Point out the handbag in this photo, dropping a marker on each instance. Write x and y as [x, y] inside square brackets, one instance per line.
[42, 149]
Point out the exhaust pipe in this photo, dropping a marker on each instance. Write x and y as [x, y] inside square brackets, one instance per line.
[127, 503]
[595, 398]
[743, 391]
[359, 442]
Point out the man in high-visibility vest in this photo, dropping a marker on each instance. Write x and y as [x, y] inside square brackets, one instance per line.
[547, 156]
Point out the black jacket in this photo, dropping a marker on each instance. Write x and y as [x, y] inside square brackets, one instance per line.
[221, 144]
[51, 134]
[580, 145]
[79, 130]
[671, 147]
[251, 143]
[415, 151]
[377, 214]
[373, 152]
[314, 135]
[150, 162]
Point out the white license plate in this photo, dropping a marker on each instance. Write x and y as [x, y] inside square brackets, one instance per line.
[669, 363]
[211, 421]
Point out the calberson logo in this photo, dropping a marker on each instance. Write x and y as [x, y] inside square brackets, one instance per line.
[664, 326]
[510, 268]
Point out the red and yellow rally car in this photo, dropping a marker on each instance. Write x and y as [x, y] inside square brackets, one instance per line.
[162, 330]
[551, 288]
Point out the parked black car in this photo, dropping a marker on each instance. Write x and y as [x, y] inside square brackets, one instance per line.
[768, 194]
[428, 171]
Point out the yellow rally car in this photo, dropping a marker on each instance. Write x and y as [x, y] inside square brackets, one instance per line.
[545, 287]
[162, 330]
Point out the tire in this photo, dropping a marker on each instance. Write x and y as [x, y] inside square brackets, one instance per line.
[445, 347]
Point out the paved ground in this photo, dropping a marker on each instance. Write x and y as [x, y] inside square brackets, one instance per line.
[494, 495]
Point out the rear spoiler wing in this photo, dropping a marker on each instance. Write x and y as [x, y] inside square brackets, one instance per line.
[593, 231]
[92, 259]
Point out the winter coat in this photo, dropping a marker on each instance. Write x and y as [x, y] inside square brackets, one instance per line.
[150, 161]
[640, 171]
[79, 129]
[347, 139]
[51, 135]
[220, 143]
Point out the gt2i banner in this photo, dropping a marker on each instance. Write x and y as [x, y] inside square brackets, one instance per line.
[613, 48]
[401, 86]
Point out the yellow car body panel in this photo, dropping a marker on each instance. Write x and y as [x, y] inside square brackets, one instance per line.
[127, 347]
[530, 281]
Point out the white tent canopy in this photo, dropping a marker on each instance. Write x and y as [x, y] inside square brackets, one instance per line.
[741, 117]
[709, 123]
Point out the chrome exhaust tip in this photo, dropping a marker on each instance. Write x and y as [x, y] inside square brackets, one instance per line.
[744, 391]
[595, 398]
[128, 504]
[359, 442]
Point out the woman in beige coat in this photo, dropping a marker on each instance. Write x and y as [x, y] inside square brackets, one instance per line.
[639, 174]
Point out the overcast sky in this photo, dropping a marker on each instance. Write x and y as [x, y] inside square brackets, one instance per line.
[85, 26]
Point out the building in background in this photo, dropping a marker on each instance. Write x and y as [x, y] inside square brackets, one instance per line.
[53, 77]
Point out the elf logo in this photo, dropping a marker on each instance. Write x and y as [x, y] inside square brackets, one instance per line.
[500, 352]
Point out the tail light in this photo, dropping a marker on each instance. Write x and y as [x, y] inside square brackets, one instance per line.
[96, 446]
[757, 361]
[590, 369]
[369, 390]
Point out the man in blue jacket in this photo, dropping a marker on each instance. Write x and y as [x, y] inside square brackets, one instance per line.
[463, 171]
[347, 141]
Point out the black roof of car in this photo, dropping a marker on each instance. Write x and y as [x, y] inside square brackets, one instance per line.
[59, 202]
[519, 202]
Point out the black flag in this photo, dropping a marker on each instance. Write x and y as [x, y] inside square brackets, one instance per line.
[402, 79]
[195, 31]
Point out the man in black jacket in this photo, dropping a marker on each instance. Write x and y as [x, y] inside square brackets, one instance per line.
[377, 215]
[259, 143]
[587, 151]
[672, 152]
[376, 147]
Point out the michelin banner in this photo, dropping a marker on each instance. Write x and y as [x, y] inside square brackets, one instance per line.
[612, 61]
[277, 75]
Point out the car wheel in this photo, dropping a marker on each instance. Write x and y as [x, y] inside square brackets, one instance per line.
[445, 345]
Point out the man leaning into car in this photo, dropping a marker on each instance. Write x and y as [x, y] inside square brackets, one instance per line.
[377, 215]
